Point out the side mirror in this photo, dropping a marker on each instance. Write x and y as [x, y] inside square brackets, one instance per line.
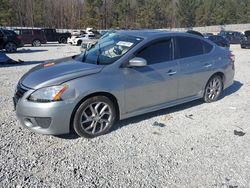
[137, 62]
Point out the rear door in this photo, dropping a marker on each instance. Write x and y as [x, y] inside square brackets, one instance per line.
[155, 83]
[196, 65]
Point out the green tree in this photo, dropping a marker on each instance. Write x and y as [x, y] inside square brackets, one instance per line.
[4, 12]
[186, 12]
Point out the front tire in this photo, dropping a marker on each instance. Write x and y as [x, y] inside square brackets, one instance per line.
[214, 89]
[94, 117]
[11, 47]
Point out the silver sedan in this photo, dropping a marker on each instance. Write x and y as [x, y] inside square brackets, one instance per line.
[125, 74]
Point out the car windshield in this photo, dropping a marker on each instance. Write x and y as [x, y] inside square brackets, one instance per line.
[108, 49]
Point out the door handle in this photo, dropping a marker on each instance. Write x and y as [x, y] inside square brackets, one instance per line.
[171, 72]
[208, 65]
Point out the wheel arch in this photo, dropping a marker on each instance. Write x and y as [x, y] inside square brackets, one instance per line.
[12, 41]
[106, 94]
[220, 74]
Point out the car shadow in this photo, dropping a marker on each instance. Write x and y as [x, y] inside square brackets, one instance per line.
[30, 51]
[232, 89]
[122, 123]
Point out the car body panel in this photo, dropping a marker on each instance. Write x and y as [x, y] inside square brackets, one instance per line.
[137, 90]
[57, 72]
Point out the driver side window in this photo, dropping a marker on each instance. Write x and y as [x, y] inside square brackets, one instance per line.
[158, 52]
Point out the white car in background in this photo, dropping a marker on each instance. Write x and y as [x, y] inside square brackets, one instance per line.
[77, 40]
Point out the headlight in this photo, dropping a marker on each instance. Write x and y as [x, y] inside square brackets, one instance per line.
[48, 94]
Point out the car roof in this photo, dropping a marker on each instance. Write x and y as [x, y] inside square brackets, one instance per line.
[153, 33]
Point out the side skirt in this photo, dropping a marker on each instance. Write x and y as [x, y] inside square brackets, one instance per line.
[159, 107]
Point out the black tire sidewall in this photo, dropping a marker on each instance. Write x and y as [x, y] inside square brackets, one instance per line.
[76, 121]
[63, 41]
[8, 50]
[205, 98]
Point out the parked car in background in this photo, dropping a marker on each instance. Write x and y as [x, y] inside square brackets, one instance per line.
[10, 41]
[124, 75]
[53, 36]
[219, 40]
[77, 40]
[245, 42]
[233, 37]
[35, 37]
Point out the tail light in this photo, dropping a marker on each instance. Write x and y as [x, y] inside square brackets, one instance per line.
[232, 58]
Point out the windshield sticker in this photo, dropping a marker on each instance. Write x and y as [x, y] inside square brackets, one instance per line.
[124, 43]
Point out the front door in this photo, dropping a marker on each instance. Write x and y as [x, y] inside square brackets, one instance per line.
[155, 83]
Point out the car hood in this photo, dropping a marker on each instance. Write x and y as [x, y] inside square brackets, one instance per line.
[57, 72]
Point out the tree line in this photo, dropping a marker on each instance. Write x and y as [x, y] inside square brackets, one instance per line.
[103, 14]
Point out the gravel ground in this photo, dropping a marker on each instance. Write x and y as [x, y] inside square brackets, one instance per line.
[195, 144]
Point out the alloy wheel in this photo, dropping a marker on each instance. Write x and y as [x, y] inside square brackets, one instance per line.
[214, 88]
[96, 117]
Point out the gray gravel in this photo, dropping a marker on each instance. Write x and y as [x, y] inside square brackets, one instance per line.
[195, 145]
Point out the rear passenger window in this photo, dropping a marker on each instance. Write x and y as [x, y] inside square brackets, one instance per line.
[27, 32]
[189, 47]
[207, 48]
[158, 52]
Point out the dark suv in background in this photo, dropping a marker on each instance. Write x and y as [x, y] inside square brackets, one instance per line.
[53, 36]
[233, 37]
[219, 40]
[35, 37]
[245, 42]
[10, 41]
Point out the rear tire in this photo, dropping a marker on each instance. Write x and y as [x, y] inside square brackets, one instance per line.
[36, 43]
[213, 90]
[94, 117]
[10, 47]
[63, 40]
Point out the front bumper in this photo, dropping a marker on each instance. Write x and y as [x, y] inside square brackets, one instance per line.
[46, 118]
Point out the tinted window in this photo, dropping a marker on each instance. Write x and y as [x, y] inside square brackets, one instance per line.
[207, 47]
[9, 33]
[27, 32]
[38, 32]
[158, 52]
[189, 47]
